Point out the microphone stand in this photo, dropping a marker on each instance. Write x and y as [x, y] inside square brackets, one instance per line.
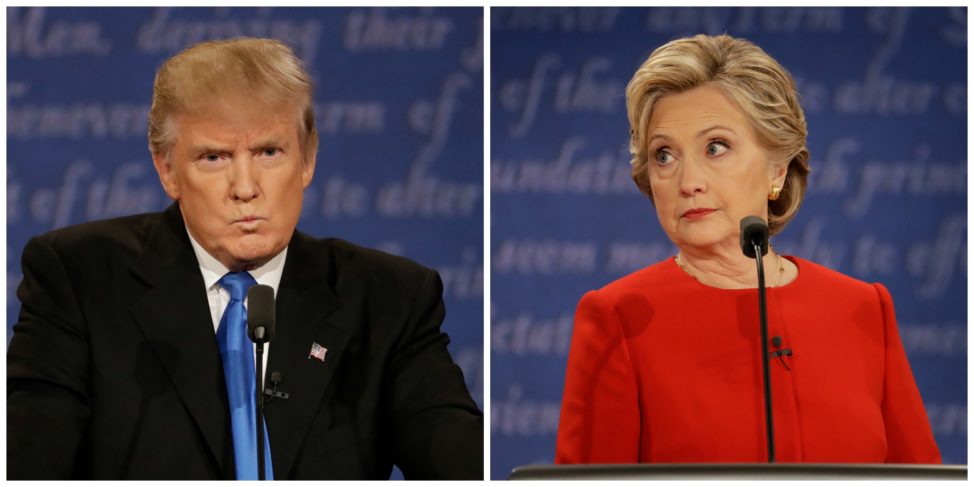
[260, 411]
[763, 307]
[260, 329]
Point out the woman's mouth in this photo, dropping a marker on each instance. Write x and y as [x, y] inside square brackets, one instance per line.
[697, 213]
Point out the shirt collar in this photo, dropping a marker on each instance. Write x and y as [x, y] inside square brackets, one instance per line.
[213, 270]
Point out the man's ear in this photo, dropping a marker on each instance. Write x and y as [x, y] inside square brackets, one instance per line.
[308, 168]
[167, 174]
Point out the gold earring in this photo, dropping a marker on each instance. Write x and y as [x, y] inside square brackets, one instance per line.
[775, 192]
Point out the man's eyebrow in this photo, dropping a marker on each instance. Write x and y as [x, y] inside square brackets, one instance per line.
[204, 148]
[271, 140]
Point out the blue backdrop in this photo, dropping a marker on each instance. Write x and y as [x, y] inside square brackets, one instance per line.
[885, 95]
[399, 105]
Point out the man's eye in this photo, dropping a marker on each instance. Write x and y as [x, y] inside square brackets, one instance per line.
[211, 160]
[271, 152]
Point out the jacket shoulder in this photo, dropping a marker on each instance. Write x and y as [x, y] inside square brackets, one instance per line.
[655, 275]
[834, 282]
[100, 237]
[350, 262]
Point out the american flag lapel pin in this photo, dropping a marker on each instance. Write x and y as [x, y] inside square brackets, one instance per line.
[318, 352]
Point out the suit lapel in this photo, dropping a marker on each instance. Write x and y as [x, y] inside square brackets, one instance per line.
[305, 304]
[175, 318]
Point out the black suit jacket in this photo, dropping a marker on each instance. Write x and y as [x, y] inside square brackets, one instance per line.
[114, 372]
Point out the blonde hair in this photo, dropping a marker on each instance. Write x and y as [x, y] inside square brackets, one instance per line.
[763, 89]
[265, 70]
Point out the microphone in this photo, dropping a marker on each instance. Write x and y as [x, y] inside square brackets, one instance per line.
[260, 313]
[754, 244]
[754, 232]
[260, 328]
[781, 352]
[271, 394]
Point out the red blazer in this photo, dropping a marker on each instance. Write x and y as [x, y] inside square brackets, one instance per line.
[665, 369]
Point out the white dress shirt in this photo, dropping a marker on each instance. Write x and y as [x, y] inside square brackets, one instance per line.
[213, 270]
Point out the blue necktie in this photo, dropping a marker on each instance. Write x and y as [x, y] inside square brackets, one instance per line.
[238, 370]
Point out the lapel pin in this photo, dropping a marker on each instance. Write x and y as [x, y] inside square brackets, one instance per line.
[318, 352]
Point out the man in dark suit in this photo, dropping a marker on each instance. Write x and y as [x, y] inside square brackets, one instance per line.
[120, 362]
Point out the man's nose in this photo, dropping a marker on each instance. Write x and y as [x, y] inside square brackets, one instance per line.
[243, 177]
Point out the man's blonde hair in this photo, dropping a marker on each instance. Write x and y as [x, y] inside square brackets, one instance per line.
[761, 87]
[263, 70]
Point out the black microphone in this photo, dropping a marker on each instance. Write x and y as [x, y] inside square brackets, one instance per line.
[754, 244]
[260, 329]
[260, 313]
[754, 231]
[780, 353]
[272, 393]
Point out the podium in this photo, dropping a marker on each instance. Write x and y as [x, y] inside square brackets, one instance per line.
[741, 471]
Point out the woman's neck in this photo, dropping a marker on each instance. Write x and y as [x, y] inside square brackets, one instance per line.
[731, 269]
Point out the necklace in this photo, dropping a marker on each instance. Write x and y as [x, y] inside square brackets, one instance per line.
[781, 269]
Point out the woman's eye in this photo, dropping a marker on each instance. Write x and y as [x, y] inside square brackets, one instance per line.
[716, 148]
[663, 158]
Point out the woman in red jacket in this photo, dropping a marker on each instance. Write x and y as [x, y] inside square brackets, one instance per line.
[665, 363]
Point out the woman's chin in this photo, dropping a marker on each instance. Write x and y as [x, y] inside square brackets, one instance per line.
[700, 237]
